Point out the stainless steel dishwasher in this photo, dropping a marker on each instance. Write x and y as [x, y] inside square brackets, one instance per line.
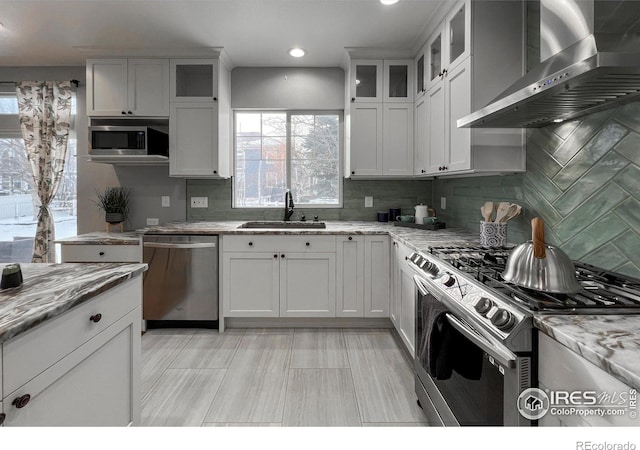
[181, 284]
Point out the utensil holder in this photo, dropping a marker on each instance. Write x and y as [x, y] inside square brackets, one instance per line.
[493, 234]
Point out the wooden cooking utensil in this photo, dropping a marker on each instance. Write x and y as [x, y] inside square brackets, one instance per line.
[511, 213]
[502, 211]
[487, 210]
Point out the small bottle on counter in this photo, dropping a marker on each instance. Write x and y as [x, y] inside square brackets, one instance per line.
[11, 276]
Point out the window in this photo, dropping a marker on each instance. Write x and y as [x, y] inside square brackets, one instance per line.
[18, 210]
[276, 151]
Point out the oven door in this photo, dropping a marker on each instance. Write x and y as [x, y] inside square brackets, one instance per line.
[490, 400]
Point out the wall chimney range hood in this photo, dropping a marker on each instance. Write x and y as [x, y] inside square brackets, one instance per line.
[590, 53]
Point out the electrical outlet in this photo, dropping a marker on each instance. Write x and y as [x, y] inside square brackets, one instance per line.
[153, 221]
[443, 202]
[199, 202]
[368, 202]
[166, 201]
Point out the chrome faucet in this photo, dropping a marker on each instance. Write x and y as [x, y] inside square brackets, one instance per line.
[288, 205]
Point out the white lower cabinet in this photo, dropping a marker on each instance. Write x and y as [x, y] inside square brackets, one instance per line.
[561, 369]
[403, 297]
[96, 379]
[284, 277]
[350, 276]
[377, 276]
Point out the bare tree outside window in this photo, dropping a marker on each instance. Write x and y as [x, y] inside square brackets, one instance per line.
[278, 151]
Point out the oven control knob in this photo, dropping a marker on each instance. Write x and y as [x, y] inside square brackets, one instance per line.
[431, 269]
[448, 280]
[484, 305]
[503, 320]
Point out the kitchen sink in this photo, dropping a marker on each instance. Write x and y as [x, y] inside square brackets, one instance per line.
[282, 224]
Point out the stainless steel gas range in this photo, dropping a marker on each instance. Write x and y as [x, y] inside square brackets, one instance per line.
[476, 347]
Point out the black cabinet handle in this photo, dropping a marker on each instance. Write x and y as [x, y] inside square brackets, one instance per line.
[307, 244]
[101, 253]
[215, 99]
[275, 256]
[423, 171]
[353, 99]
[215, 171]
[2, 417]
[124, 112]
[95, 318]
[21, 402]
[281, 256]
[353, 172]
[250, 244]
[129, 112]
[350, 238]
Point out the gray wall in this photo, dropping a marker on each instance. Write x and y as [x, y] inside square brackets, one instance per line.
[386, 194]
[582, 178]
[287, 88]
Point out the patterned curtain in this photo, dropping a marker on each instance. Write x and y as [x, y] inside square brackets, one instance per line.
[45, 115]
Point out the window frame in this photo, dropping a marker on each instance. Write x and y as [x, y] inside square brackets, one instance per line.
[289, 113]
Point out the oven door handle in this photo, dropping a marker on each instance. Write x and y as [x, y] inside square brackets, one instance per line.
[420, 285]
[494, 349]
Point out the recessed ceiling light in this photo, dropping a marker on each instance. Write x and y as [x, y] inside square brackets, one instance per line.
[297, 52]
[388, 2]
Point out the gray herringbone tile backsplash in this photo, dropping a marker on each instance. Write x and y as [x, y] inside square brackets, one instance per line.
[583, 179]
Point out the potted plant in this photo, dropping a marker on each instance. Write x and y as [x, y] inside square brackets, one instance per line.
[114, 201]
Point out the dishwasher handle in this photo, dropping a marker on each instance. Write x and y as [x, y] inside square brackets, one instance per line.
[179, 246]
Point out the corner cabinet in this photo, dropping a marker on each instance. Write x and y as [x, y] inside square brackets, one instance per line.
[78, 369]
[472, 56]
[200, 119]
[380, 124]
[133, 87]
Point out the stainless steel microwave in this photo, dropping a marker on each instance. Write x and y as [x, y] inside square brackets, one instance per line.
[127, 140]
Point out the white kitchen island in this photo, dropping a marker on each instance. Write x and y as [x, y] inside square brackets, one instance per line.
[70, 346]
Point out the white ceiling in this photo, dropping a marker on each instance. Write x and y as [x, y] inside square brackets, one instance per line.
[253, 33]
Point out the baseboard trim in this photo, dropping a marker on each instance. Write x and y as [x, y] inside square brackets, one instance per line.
[307, 322]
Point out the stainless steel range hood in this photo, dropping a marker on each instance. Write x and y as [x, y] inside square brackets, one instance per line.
[589, 73]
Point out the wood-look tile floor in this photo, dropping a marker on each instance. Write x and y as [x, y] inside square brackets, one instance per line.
[276, 377]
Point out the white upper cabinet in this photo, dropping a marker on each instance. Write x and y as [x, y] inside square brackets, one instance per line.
[128, 87]
[397, 81]
[420, 81]
[366, 81]
[194, 80]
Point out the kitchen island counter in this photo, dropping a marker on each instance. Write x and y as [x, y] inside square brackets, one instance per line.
[611, 342]
[49, 290]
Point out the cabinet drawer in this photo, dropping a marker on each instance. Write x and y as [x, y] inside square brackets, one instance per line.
[32, 352]
[101, 253]
[288, 243]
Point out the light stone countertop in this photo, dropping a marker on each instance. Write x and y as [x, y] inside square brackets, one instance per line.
[48, 290]
[611, 342]
[102, 238]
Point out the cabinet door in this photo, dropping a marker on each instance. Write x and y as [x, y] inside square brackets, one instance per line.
[194, 80]
[350, 276]
[407, 313]
[394, 307]
[436, 128]
[458, 104]
[250, 284]
[193, 132]
[435, 58]
[421, 133]
[308, 285]
[398, 81]
[107, 87]
[458, 35]
[366, 81]
[397, 134]
[419, 66]
[95, 385]
[366, 139]
[377, 276]
[148, 82]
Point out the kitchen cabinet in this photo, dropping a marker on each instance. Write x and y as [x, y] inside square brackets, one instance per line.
[291, 276]
[419, 64]
[473, 55]
[350, 276]
[377, 276]
[71, 253]
[128, 87]
[380, 122]
[82, 368]
[403, 297]
[200, 119]
[561, 369]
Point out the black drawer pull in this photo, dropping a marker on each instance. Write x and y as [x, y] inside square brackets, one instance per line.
[101, 253]
[282, 256]
[275, 256]
[250, 244]
[21, 402]
[95, 318]
[307, 244]
[350, 238]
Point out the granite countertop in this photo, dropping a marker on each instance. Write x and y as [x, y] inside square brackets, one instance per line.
[102, 238]
[611, 342]
[51, 289]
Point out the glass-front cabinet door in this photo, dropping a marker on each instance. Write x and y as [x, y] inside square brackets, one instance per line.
[419, 65]
[434, 59]
[398, 80]
[194, 80]
[366, 81]
[458, 34]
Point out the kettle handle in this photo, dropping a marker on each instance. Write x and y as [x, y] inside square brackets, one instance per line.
[537, 234]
